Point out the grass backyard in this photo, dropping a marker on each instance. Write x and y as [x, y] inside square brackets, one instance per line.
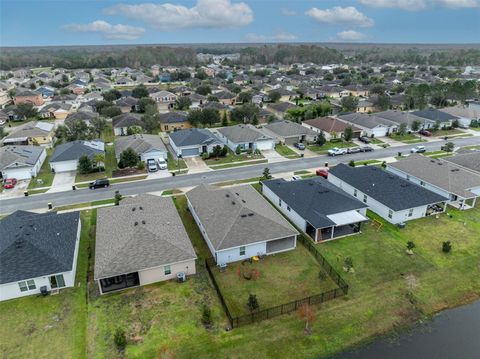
[286, 151]
[282, 278]
[329, 145]
[45, 175]
[232, 157]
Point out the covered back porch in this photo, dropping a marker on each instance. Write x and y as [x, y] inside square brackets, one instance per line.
[346, 223]
[119, 282]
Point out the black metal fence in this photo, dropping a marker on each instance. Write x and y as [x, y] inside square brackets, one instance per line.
[285, 308]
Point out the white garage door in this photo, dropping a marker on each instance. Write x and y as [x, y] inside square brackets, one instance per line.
[265, 145]
[64, 166]
[18, 173]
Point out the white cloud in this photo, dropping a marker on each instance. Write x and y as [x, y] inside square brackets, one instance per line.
[413, 5]
[410, 5]
[350, 35]
[279, 36]
[288, 12]
[205, 14]
[340, 15]
[109, 31]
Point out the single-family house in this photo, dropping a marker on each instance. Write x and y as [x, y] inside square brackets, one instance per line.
[123, 122]
[390, 196]
[465, 114]
[65, 156]
[469, 160]
[238, 223]
[371, 125]
[407, 118]
[317, 207]
[141, 241]
[246, 137]
[280, 108]
[38, 252]
[127, 104]
[173, 120]
[165, 100]
[146, 146]
[193, 141]
[433, 115]
[33, 133]
[331, 127]
[288, 132]
[56, 110]
[85, 116]
[28, 96]
[365, 106]
[21, 162]
[461, 186]
[225, 97]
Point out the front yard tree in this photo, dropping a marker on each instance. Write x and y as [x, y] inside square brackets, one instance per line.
[183, 103]
[416, 125]
[402, 129]
[266, 174]
[349, 103]
[25, 110]
[140, 91]
[151, 119]
[85, 165]
[449, 147]
[99, 160]
[321, 139]
[217, 151]
[307, 313]
[129, 158]
[204, 90]
[252, 302]
[274, 96]
[348, 133]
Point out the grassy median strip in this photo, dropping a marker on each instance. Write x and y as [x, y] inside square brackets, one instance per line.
[243, 181]
[246, 163]
[85, 205]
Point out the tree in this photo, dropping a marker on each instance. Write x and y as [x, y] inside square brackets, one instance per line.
[151, 119]
[348, 133]
[244, 113]
[455, 123]
[266, 174]
[203, 90]
[351, 163]
[307, 313]
[140, 91]
[128, 158]
[206, 315]
[33, 86]
[448, 147]
[252, 302]
[210, 116]
[201, 74]
[98, 124]
[143, 103]
[224, 119]
[25, 110]
[244, 97]
[110, 111]
[321, 140]
[183, 103]
[382, 102]
[74, 130]
[328, 77]
[416, 125]
[99, 159]
[274, 96]
[402, 129]
[120, 339]
[238, 150]
[446, 247]
[410, 247]
[117, 198]
[349, 103]
[111, 95]
[85, 165]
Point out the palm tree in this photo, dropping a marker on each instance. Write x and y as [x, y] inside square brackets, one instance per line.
[99, 159]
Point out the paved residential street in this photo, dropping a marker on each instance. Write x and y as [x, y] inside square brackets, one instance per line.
[236, 173]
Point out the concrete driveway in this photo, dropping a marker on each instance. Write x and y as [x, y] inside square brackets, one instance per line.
[63, 181]
[272, 156]
[17, 191]
[159, 174]
[306, 152]
[196, 164]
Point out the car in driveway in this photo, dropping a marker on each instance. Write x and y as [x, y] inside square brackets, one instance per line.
[300, 146]
[365, 139]
[337, 151]
[425, 133]
[9, 183]
[418, 149]
[354, 150]
[366, 149]
[162, 164]
[322, 172]
[99, 183]
[152, 165]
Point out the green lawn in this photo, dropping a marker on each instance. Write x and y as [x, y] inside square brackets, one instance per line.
[108, 135]
[175, 165]
[329, 145]
[282, 278]
[110, 165]
[232, 157]
[246, 163]
[52, 326]
[407, 138]
[45, 175]
[286, 151]
[85, 204]
[367, 162]
[231, 183]
[453, 131]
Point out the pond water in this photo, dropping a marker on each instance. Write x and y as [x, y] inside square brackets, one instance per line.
[452, 334]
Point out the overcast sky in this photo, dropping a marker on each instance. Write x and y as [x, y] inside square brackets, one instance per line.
[94, 22]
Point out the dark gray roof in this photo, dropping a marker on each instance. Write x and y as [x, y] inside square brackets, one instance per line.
[142, 232]
[173, 117]
[314, 199]
[74, 150]
[193, 137]
[127, 120]
[400, 117]
[35, 245]
[391, 190]
[281, 106]
[86, 116]
[469, 160]
[139, 143]
[237, 216]
[19, 156]
[435, 115]
[289, 129]
[366, 120]
[243, 133]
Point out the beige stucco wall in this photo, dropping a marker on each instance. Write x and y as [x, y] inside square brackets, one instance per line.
[154, 275]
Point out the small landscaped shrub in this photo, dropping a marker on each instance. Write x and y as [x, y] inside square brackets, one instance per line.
[252, 302]
[351, 163]
[266, 174]
[446, 247]
[365, 163]
[141, 165]
[348, 264]
[117, 198]
[410, 246]
[120, 339]
[206, 316]
[249, 151]
[205, 155]
[238, 150]
[384, 164]
[257, 152]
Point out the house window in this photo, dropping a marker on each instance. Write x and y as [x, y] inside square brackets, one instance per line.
[288, 208]
[167, 270]
[390, 213]
[355, 193]
[27, 285]
[410, 212]
[279, 202]
[57, 281]
[242, 251]
[365, 198]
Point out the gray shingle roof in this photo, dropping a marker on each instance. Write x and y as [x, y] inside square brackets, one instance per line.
[157, 239]
[243, 133]
[366, 120]
[74, 150]
[19, 156]
[400, 117]
[237, 216]
[391, 190]
[173, 117]
[289, 129]
[314, 199]
[34, 245]
[139, 143]
[127, 120]
[193, 137]
[446, 175]
[467, 160]
[435, 115]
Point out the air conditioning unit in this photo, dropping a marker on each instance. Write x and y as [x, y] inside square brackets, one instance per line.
[181, 277]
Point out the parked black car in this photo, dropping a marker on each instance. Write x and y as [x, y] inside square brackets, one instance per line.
[365, 139]
[99, 183]
[354, 150]
[366, 149]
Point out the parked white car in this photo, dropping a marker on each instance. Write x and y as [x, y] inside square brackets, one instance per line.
[162, 164]
[418, 149]
[152, 165]
[337, 151]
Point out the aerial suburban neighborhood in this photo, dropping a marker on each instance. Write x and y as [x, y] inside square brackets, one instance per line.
[218, 200]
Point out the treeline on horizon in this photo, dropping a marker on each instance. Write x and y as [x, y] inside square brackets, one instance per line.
[145, 56]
